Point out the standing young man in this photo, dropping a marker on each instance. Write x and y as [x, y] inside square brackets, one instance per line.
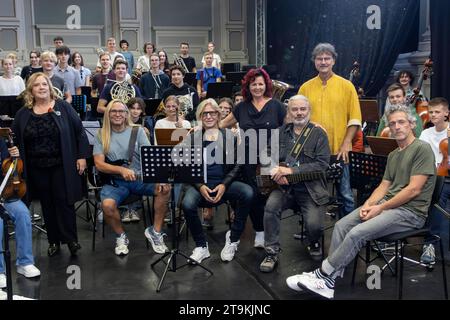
[438, 112]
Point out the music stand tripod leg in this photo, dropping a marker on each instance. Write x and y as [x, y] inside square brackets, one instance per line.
[172, 262]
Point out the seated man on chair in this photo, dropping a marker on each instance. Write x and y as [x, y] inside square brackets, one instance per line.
[20, 216]
[305, 149]
[221, 185]
[400, 203]
[111, 156]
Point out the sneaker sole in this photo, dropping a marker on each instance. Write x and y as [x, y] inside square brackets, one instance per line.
[123, 253]
[192, 261]
[313, 290]
[28, 276]
[292, 282]
[150, 239]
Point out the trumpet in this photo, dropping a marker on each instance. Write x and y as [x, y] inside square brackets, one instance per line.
[180, 62]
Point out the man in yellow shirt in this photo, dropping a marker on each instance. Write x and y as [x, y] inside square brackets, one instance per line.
[335, 106]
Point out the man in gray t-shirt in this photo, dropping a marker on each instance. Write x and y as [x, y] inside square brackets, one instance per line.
[112, 144]
[399, 204]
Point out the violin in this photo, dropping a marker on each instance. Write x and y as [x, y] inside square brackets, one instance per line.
[15, 187]
[420, 102]
[443, 167]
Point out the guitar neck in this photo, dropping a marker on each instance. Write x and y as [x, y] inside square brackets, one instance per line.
[305, 176]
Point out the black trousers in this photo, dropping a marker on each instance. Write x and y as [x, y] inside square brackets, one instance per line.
[49, 186]
[259, 201]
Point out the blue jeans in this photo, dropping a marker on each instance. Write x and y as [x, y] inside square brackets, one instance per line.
[351, 233]
[236, 191]
[20, 216]
[344, 192]
[124, 189]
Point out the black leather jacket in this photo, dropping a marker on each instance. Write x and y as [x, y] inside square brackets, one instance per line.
[231, 167]
[315, 156]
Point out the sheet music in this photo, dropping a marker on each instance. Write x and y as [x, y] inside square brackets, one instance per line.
[91, 128]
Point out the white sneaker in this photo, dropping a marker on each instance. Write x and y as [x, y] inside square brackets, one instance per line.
[259, 239]
[199, 254]
[230, 248]
[29, 271]
[126, 217]
[133, 215]
[2, 280]
[156, 239]
[293, 281]
[122, 245]
[316, 285]
[3, 295]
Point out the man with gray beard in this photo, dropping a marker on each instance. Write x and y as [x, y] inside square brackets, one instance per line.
[305, 151]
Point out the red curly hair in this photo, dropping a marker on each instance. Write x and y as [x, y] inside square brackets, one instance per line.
[250, 77]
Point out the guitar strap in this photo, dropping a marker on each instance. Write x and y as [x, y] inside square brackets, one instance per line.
[300, 143]
[133, 138]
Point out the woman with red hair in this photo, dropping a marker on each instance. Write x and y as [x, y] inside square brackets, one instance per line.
[261, 114]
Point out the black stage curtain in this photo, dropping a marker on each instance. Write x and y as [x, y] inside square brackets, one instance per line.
[295, 27]
[440, 47]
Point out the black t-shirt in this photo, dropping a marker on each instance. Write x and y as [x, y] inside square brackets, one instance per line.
[270, 117]
[42, 141]
[189, 62]
[188, 97]
[27, 71]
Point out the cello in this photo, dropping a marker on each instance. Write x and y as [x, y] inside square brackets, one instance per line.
[444, 166]
[15, 186]
[420, 102]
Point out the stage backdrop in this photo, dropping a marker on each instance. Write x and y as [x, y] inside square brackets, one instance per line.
[440, 48]
[373, 32]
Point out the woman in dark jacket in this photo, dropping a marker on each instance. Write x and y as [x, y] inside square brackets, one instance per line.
[54, 148]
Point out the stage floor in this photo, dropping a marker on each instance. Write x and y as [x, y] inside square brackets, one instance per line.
[106, 276]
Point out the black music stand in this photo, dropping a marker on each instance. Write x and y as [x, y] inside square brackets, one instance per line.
[191, 79]
[220, 90]
[94, 114]
[230, 67]
[167, 164]
[235, 77]
[9, 105]
[366, 173]
[79, 105]
[151, 106]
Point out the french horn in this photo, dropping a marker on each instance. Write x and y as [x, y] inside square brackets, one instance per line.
[123, 91]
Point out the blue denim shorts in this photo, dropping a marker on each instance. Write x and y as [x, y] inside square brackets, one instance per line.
[124, 188]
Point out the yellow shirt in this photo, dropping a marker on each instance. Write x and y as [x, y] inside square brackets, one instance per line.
[335, 106]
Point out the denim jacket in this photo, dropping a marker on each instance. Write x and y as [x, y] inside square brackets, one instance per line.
[315, 156]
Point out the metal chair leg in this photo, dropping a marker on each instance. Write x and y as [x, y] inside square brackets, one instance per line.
[444, 275]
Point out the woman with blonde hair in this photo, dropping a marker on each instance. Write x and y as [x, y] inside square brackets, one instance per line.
[54, 148]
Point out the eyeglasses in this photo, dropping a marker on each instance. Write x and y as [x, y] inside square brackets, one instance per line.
[326, 59]
[121, 112]
[209, 113]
